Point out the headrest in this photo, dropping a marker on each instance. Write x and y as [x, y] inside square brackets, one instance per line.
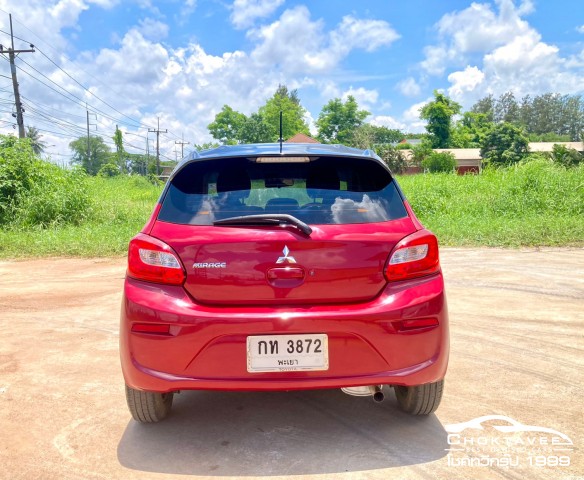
[323, 178]
[233, 179]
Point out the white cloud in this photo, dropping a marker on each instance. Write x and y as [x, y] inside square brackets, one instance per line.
[465, 81]
[409, 87]
[411, 117]
[152, 29]
[436, 59]
[508, 53]
[309, 119]
[66, 12]
[386, 121]
[528, 65]
[138, 63]
[479, 29]
[329, 89]
[476, 29]
[297, 44]
[289, 42]
[368, 35]
[580, 29]
[146, 79]
[186, 10]
[107, 4]
[245, 12]
[365, 98]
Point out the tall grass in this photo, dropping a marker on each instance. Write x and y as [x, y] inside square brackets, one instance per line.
[534, 203]
[118, 209]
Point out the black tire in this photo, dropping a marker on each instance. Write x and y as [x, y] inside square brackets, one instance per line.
[148, 407]
[420, 399]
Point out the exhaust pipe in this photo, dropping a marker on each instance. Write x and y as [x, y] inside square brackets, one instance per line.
[367, 391]
[378, 395]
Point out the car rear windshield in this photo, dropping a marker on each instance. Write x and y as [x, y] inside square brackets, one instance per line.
[326, 190]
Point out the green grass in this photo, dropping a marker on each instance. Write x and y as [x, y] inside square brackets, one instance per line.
[120, 206]
[534, 204]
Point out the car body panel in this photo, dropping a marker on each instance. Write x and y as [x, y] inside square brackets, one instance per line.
[341, 263]
[336, 285]
[206, 346]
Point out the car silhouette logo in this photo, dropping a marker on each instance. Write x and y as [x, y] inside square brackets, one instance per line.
[512, 427]
[286, 258]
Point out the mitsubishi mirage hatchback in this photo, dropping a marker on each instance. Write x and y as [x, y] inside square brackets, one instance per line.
[283, 267]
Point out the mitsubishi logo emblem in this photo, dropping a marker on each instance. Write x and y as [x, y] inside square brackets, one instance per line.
[286, 257]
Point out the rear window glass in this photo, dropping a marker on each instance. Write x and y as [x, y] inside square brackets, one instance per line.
[322, 191]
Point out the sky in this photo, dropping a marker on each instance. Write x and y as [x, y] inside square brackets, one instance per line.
[135, 63]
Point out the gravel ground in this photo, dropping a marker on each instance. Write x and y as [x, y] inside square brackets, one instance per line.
[517, 334]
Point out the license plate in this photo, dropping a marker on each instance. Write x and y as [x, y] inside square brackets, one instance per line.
[287, 353]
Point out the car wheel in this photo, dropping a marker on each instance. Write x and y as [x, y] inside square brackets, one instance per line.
[148, 407]
[419, 399]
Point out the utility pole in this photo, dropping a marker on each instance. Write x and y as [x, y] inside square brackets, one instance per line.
[88, 148]
[12, 56]
[145, 167]
[158, 132]
[182, 145]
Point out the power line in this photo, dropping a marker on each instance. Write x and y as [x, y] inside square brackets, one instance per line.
[141, 124]
[65, 125]
[87, 90]
[71, 61]
[11, 56]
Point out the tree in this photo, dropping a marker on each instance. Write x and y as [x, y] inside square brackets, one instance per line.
[504, 144]
[227, 126]
[420, 152]
[439, 115]
[469, 130]
[439, 162]
[507, 109]
[205, 146]
[255, 130]
[486, 106]
[550, 113]
[393, 158]
[140, 164]
[568, 157]
[109, 170]
[338, 121]
[367, 136]
[120, 153]
[293, 113]
[99, 153]
[33, 135]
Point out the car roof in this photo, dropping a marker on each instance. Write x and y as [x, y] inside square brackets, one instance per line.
[275, 149]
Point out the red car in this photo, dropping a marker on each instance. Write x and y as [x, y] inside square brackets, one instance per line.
[283, 267]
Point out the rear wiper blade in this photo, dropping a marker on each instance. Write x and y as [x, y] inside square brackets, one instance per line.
[265, 219]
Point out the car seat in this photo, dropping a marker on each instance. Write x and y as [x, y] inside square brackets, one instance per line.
[233, 187]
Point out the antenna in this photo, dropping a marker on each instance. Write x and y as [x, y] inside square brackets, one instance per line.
[281, 139]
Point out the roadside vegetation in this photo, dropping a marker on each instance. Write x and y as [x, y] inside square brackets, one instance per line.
[48, 211]
[519, 199]
[534, 203]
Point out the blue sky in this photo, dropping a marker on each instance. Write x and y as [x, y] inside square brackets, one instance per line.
[182, 60]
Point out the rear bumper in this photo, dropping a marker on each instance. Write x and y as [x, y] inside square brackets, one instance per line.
[206, 348]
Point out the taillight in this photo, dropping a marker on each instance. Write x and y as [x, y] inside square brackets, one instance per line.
[154, 261]
[414, 256]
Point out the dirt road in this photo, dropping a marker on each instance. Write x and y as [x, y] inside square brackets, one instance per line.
[517, 333]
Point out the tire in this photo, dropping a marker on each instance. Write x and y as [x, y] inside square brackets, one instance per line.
[148, 407]
[420, 399]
